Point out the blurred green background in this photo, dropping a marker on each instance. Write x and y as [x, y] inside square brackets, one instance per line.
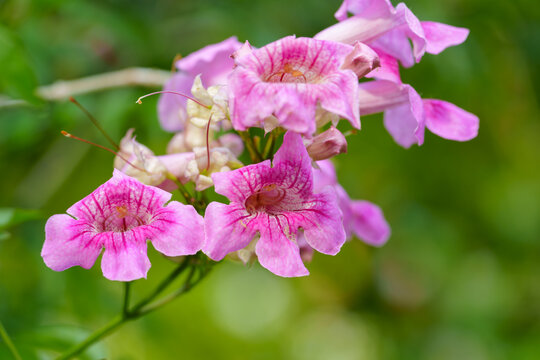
[457, 280]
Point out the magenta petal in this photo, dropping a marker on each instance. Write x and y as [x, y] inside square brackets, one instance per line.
[397, 41]
[414, 31]
[340, 96]
[177, 230]
[125, 256]
[277, 252]
[292, 152]
[324, 176]
[377, 96]
[368, 223]
[405, 122]
[213, 62]
[69, 242]
[388, 69]
[440, 36]
[237, 185]
[292, 166]
[449, 121]
[172, 108]
[323, 225]
[228, 228]
[364, 8]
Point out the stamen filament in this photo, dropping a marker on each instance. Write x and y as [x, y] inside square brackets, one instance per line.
[175, 93]
[208, 143]
[94, 121]
[68, 135]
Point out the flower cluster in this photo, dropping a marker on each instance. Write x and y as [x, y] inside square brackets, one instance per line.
[284, 204]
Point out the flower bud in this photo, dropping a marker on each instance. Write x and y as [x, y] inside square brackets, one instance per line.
[141, 163]
[327, 144]
[362, 60]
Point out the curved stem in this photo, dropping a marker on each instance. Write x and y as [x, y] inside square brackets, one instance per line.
[167, 299]
[128, 315]
[163, 285]
[96, 335]
[5, 336]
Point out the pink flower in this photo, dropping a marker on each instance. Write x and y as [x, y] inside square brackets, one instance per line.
[406, 114]
[383, 27]
[363, 219]
[290, 77]
[274, 201]
[213, 62]
[120, 216]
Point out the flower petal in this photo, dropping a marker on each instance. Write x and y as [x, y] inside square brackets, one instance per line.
[368, 223]
[440, 36]
[405, 122]
[177, 164]
[172, 113]
[377, 96]
[120, 190]
[397, 41]
[324, 176]
[292, 166]
[277, 252]
[228, 228]
[238, 185]
[449, 121]
[213, 62]
[323, 224]
[292, 151]
[69, 242]
[364, 8]
[125, 257]
[388, 69]
[177, 230]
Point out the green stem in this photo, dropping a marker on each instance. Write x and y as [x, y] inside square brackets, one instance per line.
[97, 335]
[186, 287]
[198, 205]
[167, 299]
[163, 285]
[250, 146]
[5, 336]
[127, 314]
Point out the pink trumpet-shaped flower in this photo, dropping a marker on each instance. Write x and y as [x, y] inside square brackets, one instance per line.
[362, 218]
[392, 30]
[291, 77]
[406, 114]
[275, 201]
[213, 62]
[120, 216]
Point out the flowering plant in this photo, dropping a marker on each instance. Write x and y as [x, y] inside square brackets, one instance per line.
[258, 126]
